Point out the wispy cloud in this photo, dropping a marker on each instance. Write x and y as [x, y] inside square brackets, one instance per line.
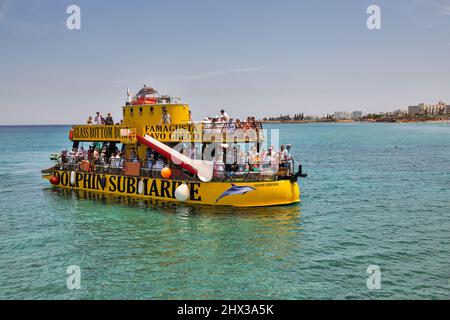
[445, 9]
[180, 78]
[5, 5]
[209, 75]
[7, 19]
[2, 10]
[431, 9]
[441, 7]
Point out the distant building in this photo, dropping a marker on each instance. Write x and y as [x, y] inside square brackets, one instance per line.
[356, 115]
[342, 115]
[447, 109]
[435, 109]
[413, 110]
[399, 112]
[430, 109]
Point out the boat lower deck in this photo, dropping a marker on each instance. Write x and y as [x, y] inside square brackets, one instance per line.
[248, 193]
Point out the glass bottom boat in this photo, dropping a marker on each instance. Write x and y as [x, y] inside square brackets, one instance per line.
[212, 162]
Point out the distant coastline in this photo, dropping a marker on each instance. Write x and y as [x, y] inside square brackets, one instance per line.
[415, 119]
[444, 120]
[430, 113]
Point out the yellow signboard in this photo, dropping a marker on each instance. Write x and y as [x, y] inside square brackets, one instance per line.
[201, 133]
[117, 133]
[175, 132]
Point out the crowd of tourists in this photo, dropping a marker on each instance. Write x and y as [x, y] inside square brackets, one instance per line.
[228, 159]
[106, 157]
[234, 159]
[99, 119]
[211, 124]
[97, 154]
[224, 122]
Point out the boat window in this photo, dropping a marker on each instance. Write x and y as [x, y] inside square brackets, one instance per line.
[131, 112]
[140, 111]
[151, 110]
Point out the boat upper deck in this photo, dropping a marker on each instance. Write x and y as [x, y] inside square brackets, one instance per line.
[241, 132]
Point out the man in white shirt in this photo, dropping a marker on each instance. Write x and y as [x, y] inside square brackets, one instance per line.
[225, 117]
[283, 156]
[159, 165]
[98, 118]
[268, 158]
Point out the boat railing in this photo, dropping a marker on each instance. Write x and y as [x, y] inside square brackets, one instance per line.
[232, 131]
[237, 129]
[68, 166]
[153, 99]
[244, 125]
[246, 172]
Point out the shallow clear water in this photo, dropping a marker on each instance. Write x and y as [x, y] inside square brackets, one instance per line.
[377, 194]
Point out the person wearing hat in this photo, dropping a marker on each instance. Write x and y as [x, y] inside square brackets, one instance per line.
[268, 158]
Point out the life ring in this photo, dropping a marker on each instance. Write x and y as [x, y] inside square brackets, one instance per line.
[71, 134]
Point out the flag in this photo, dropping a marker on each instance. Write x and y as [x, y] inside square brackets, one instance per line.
[128, 95]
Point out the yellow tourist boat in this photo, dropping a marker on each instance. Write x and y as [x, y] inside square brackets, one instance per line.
[157, 152]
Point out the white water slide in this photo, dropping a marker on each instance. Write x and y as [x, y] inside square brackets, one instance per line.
[202, 168]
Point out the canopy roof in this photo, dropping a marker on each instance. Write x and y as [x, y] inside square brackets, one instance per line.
[147, 90]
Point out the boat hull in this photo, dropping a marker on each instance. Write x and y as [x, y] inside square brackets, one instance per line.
[240, 194]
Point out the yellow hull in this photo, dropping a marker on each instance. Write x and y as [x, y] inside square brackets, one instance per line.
[240, 194]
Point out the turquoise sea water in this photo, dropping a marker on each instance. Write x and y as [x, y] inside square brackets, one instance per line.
[377, 194]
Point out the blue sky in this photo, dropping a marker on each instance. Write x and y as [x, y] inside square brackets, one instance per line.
[250, 57]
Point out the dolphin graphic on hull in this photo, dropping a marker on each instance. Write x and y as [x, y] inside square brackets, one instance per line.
[235, 190]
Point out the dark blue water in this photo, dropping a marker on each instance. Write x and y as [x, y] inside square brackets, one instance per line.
[377, 194]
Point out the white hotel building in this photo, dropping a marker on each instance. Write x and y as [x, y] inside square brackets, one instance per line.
[431, 109]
